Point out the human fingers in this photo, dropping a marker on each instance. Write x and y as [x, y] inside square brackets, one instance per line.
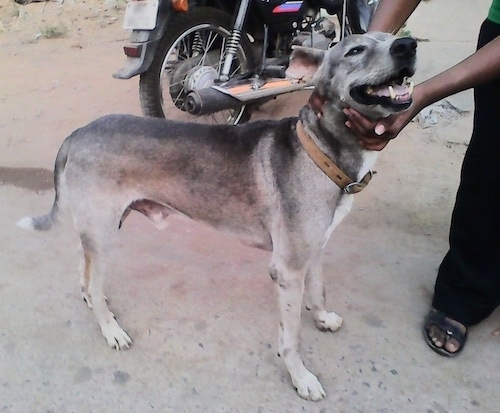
[359, 124]
[372, 134]
[374, 144]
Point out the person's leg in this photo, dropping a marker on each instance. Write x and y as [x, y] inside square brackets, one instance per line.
[468, 283]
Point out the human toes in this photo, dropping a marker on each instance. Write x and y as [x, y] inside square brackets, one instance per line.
[444, 335]
[437, 335]
[452, 344]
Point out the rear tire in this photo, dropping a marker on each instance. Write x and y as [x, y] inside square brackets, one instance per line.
[189, 48]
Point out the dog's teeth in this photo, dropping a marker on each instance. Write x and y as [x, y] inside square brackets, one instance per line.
[411, 86]
[392, 93]
[369, 90]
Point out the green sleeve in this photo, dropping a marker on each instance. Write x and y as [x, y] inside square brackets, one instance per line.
[494, 13]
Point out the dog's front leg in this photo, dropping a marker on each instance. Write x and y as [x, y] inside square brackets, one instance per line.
[315, 290]
[290, 289]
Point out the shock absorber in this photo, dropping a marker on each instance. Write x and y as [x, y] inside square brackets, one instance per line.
[231, 50]
[233, 42]
[197, 45]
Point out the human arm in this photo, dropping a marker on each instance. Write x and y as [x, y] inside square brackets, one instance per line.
[390, 15]
[481, 67]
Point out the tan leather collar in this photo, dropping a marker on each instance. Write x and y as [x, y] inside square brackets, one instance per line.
[329, 167]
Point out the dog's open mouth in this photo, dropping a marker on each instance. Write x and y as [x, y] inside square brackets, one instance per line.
[394, 93]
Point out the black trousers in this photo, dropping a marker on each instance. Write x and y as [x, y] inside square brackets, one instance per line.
[468, 283]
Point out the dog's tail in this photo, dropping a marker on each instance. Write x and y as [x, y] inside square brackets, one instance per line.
[46, 222]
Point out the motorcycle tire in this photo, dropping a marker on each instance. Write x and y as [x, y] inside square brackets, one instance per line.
[189, 53]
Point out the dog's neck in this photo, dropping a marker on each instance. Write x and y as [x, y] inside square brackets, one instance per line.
[328, 119]
[326, 124]
[319, 106]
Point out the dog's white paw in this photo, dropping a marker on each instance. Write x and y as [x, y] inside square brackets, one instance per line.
[26, 223]
[116, 336]
[308, 387]
[328, 321]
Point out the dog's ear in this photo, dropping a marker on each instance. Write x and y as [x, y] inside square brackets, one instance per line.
[304, 62]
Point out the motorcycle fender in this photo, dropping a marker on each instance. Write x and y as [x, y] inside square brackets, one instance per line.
[149, 40]
[136, 65]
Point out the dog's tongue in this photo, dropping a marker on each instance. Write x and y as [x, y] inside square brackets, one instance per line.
[399, 93]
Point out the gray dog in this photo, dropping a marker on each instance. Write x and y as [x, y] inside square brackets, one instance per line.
[279, 185]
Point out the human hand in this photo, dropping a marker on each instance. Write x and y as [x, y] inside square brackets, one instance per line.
[375, 135]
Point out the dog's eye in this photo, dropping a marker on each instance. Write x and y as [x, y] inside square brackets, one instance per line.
[355, 50]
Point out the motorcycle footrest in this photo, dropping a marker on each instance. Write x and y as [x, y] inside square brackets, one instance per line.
[274, 71]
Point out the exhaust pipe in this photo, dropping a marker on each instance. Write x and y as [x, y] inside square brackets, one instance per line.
[216, 98]
[207, 101]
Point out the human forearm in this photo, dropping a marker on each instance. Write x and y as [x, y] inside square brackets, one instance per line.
[481, 67]
[392, 14]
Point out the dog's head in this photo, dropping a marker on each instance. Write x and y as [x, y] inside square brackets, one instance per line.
[368, 72]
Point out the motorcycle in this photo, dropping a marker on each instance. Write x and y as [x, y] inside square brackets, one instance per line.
[215, 61]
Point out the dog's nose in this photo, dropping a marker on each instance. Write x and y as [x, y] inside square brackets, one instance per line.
[404, 47]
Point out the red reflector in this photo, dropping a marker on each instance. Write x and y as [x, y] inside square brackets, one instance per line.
[133, 50]
[180, 5]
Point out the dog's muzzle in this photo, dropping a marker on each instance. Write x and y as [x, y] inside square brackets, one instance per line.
[395, 92]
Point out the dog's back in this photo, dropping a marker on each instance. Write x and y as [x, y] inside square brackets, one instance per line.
[209, 173]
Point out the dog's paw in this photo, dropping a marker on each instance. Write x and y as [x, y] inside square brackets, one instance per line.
[308, 387]
[327, 321]
[116, 336]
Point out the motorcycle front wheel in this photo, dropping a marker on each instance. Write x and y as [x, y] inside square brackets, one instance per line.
[189, 57]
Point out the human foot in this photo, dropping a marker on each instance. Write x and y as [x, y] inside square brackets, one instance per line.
[444, 335]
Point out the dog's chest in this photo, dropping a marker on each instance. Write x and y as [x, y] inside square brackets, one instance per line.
[345, 204]
[368, 162]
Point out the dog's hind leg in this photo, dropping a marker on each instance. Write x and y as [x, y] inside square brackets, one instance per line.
[289, 279]
[315, 290]
[85, 275]
[92, 279]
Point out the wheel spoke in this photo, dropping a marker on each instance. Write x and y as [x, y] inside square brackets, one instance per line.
[209, 42]
[236, 70]
[212, 37]
[222, 56]
[178, 96]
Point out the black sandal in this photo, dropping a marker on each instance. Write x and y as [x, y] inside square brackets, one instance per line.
[440, 320]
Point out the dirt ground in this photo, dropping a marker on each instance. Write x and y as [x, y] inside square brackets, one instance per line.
[200, 307]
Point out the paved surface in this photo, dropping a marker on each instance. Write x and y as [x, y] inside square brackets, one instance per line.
[200, 306]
